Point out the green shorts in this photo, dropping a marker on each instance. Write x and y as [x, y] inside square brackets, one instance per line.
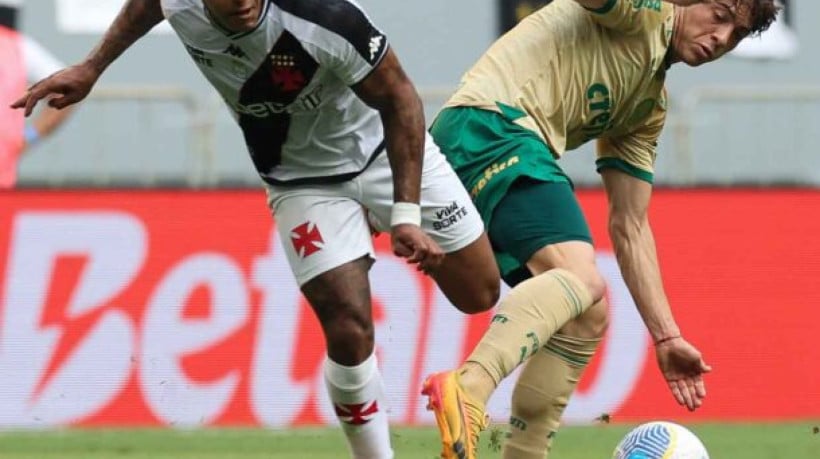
[523, 196]
[532, 215]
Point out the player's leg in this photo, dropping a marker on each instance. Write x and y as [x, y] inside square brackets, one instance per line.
[546, 383]
[551, 375]
[327, 242]
[490, 153]
[539, 224]
[341, 301]
[468, 276]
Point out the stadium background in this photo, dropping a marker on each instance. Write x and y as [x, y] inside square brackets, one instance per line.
[164, 301]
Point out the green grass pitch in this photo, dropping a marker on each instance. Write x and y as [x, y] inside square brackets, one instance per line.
[724, 441]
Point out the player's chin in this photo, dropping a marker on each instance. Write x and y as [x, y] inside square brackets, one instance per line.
[240, 26]
[694, 61]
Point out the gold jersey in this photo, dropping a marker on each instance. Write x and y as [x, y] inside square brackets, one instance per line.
[582, 74]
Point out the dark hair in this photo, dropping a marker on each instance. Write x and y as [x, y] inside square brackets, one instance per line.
[8, 17]
[764, 13]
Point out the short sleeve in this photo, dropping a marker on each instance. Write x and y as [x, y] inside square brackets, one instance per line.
[631, 16]
[634, 153]
[338, 33]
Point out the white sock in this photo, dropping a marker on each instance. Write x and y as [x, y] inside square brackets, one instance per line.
[361, 405]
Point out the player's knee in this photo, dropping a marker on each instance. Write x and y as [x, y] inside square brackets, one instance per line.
[593, 323]
[350, 337]
[594, 282]
[481, 298]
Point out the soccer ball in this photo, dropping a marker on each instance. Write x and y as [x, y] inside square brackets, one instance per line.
[660, 440]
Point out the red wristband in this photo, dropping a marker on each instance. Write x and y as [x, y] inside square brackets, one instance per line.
[668, 338]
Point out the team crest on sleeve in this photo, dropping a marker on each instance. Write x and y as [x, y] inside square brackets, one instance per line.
[306, 239]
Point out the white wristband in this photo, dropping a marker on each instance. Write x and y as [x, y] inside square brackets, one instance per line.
[405, 213]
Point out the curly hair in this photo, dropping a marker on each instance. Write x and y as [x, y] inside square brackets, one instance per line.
[763, 14]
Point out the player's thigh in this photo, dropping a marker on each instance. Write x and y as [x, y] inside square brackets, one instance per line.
[448, 214]
[468, 275]
[538, 226]
[320, 228]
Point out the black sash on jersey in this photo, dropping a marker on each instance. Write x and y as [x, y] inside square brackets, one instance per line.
[327, 179]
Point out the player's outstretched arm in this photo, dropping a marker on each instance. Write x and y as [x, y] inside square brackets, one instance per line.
[390, 91]
[680, 362]
[72, 84]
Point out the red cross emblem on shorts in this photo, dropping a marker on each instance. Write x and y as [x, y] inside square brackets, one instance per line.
[306, 239]
[356, 414]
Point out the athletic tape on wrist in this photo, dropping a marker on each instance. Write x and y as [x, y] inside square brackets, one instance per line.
[405, 213]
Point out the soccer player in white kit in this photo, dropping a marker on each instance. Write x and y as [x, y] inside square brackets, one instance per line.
[336, 132]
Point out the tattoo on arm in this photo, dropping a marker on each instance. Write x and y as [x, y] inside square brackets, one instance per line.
[134, 20]
[389, 91]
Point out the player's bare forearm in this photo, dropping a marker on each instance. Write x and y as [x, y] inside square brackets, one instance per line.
[634, 246]
[73, 84]
[635, 250]
[134, 20]
[404, 134]
[389, 91]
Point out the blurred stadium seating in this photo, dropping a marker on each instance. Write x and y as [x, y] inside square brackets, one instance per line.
[154, 121]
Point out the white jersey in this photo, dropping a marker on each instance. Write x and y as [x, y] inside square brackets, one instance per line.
[288, 83]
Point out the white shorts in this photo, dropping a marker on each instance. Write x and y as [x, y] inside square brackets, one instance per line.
[325, 226]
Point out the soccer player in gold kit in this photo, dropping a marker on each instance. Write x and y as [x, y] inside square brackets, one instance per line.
[574, 71]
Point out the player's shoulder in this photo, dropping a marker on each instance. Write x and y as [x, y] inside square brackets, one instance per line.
[181, 9]
[334, 14]
[329, 23]
[176, 5]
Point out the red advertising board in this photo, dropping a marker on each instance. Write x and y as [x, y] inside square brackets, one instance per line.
[178, 308]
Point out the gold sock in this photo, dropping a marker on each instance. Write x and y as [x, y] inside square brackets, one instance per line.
[542, 393]
[526, 319]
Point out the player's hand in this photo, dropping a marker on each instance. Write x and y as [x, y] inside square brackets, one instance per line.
[409, 241]
[66, 87]
[683, 368]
